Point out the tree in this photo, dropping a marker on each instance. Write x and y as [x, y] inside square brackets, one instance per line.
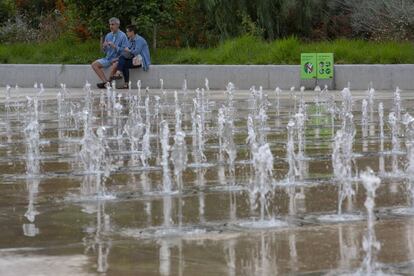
[7, 10]
[95, 13]
[381, 19]
[154, 13]
[147, 14]
[277, 18]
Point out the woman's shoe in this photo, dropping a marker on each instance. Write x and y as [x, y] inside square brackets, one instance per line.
[117, 76]
[125, 86]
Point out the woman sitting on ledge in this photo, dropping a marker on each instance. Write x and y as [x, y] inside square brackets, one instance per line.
[135, 55]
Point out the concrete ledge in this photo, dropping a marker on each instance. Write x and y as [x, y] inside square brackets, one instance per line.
[383, 77]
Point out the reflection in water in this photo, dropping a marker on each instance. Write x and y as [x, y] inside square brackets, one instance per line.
[291, 191]
[89, 185]
[348, 247]
[264, 250]
[233, 206]
[262, 261]
[370, 244]
[410, 239]
[230, 250]
[201, 182]
[165, 258]
[381, 165]
[97, 233]
[180, 258]
[179, 160]
[146, 188]
[293, 263]
[167, 205]
[293, 196]
[221, 174]
[32, 185]
[32, 139]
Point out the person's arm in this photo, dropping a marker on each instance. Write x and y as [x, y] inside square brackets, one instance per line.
[139, 45]
[146, 57]
[123, 43]
[146, 53]
[105, 44]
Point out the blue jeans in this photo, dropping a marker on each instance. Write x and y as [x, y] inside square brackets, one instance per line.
[124, 64]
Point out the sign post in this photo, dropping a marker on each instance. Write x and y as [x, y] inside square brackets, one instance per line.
[325, 66]
[317, 69]
[308, 66]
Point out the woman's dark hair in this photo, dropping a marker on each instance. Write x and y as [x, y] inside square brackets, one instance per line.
[132, 28]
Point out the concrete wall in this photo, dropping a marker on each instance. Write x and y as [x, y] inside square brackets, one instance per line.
[383, 77]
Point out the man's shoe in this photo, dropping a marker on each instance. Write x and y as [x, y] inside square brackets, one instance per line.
[101, 85]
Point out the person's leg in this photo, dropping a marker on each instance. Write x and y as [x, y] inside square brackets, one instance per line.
[97, 67]
[125, 71]
[121, 64]
[114, 67]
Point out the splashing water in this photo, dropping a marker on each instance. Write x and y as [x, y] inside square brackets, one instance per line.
[228, 141]
[263, 165]
[370, 244]
[146, 147]
[381, 123]
[179, 156]
[32, 138]
[277, 105]
[342, 166]
[346, 101]
[392, 120]
[165, 155]
[397, 105]
[92, 152]
[364, 119]
[290, 153]
[220, 129]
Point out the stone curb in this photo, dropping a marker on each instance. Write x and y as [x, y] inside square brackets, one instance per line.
[383, 77]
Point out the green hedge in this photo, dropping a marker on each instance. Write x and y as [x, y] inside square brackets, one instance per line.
[242, 50]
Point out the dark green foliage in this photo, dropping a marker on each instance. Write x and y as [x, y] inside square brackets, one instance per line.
[147, 14]
[206, 23]
[275, 18]
[96, 13]
[7, 10]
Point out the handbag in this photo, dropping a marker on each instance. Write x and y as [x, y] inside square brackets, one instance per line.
[137, 60]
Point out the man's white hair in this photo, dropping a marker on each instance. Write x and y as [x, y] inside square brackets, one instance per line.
[114, 20]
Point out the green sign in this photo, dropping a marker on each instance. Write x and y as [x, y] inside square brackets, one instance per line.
[308, 66]
[325, 66]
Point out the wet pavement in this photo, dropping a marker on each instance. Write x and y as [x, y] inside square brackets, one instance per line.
[54, 223]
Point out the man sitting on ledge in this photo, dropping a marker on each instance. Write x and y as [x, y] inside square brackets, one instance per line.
[115, 42]
[135, 55]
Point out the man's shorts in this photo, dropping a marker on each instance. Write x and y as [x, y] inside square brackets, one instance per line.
[105, 62]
